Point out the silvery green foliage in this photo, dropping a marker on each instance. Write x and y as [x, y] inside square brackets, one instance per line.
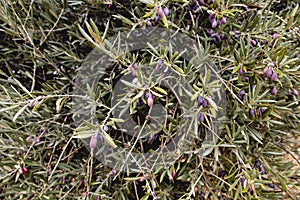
[255, 45]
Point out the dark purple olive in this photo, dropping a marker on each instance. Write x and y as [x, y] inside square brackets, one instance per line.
[257, 163]
[195, 6]
[253, 42]
[241, 94]
[223, 20]
[223, 36]
[166, 11]
[211, 17]
[262, 170]
[274, 76]
[157, 18]
[200, 117]
[246, 78]
[250, 189]
[295, 92]
[205, 103]
[243, 181]
[299, 2]
[272, 186]
[274, 91]
[222, 173]
[200, 100]
[215, 38]
[252, 112]
[241, 71]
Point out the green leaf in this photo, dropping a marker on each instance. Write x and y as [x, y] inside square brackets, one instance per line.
[19, 112]
[161, 90]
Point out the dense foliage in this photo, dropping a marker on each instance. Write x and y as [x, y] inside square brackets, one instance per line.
[255, 45]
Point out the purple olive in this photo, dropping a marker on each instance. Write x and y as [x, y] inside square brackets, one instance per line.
[25, 169]
[222, 173]
[252, 112]
[246, 78]
[223, 20]
[29, 138]
[262, 170]
[258, 112]
[274, 91]
[244, 182]
[21, 171]
[166, 11]
[135, 66]
[223, 36]
[157, 18]
[214, 23]
[148, 23]
[257, 163]
[38, 139]
[105, 128]
[200, 100]
[275, 35]
[205, 103]
[274, 76]
[158, 65]
[211, 17]
[250, 189]
[253, 42]
[173, 174]
[84, 194]
[160, 12]
[241, 71]
[269, 72]
[241, 94]
[200, 117]
[93, 141]
[147, 94]
[295, 92]
[150, 101]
